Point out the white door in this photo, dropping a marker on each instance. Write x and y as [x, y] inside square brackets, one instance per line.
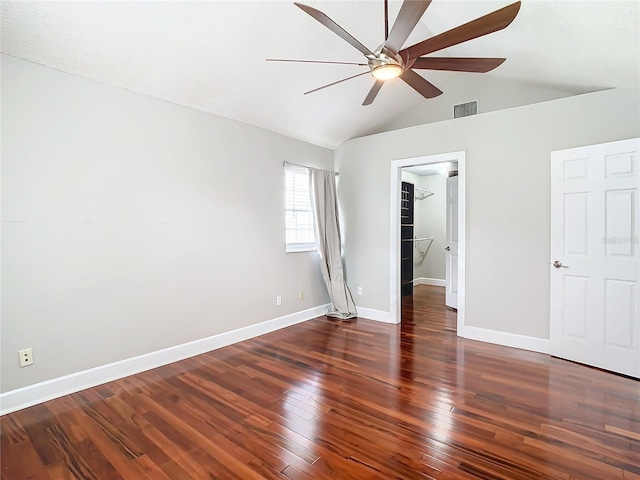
[594, 246]
[451, 293]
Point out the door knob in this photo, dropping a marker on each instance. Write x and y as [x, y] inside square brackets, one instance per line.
[558, 264]
[447, 248]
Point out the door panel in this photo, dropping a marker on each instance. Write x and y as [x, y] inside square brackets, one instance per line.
[620, 165]
[620, 299]
[594, 236]
[575, 227]
[619, 222]
[576, 293]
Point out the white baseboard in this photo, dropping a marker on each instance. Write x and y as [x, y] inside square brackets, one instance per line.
[377, 315]
[57, 387]
[437, 282]
[505, 339]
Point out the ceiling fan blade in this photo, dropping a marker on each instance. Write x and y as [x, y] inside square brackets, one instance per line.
[373, 92]
[408, 17]
[458, 64]
[335, 83]
[316, 61]
[489, 23]
[420, 85]
[334, 27]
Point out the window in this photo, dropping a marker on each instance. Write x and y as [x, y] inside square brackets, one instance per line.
[300, 230]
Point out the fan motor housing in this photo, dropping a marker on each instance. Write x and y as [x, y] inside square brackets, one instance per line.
[384, 56]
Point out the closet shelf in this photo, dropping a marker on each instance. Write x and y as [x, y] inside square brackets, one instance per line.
[421, 193]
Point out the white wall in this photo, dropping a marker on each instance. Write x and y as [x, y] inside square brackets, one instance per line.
[507, 200]
[491, 94]
[431, 220]
[131, 224]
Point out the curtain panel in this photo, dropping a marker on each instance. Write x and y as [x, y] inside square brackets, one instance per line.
[325, 204]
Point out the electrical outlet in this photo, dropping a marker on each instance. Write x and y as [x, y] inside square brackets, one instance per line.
[26, 357]
[300, 295]
[359, 290]
[278, 300]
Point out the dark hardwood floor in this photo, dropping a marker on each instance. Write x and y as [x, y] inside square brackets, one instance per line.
[326, 399]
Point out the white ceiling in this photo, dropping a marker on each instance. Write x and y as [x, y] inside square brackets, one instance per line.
[211, 55]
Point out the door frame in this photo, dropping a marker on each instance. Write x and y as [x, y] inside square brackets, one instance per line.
[450, 297]
[394, 229]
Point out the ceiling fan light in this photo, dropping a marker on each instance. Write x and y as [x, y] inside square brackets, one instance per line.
[387, 71]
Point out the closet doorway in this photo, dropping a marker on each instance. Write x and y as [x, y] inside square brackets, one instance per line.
[428, 229]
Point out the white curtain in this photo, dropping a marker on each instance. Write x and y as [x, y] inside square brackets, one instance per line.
[325, 205]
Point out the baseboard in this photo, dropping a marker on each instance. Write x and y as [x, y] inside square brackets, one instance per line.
[377, 315]
[437, 282]
[505, 339]
[57, 387]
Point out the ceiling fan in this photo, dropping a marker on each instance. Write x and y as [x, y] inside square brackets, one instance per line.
[390, 60]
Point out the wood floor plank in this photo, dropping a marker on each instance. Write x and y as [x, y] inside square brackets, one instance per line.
[335, 400]
[18, 431]
[66, 411]
[10, 466]
[184, 419]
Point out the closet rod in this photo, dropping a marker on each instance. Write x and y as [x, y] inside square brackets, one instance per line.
[303, 166]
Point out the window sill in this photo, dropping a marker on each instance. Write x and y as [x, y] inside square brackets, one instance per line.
[298, 248]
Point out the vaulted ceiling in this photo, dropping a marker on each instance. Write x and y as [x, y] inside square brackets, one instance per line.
[211, 56]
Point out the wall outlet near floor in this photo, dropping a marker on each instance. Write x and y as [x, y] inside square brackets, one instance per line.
[301, 295]
[359, 290]
[278, 300]
[26, 357]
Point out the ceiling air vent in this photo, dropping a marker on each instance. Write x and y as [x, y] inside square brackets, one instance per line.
[465, 109]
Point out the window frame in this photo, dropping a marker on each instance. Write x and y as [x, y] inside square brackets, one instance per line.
[298, 246]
